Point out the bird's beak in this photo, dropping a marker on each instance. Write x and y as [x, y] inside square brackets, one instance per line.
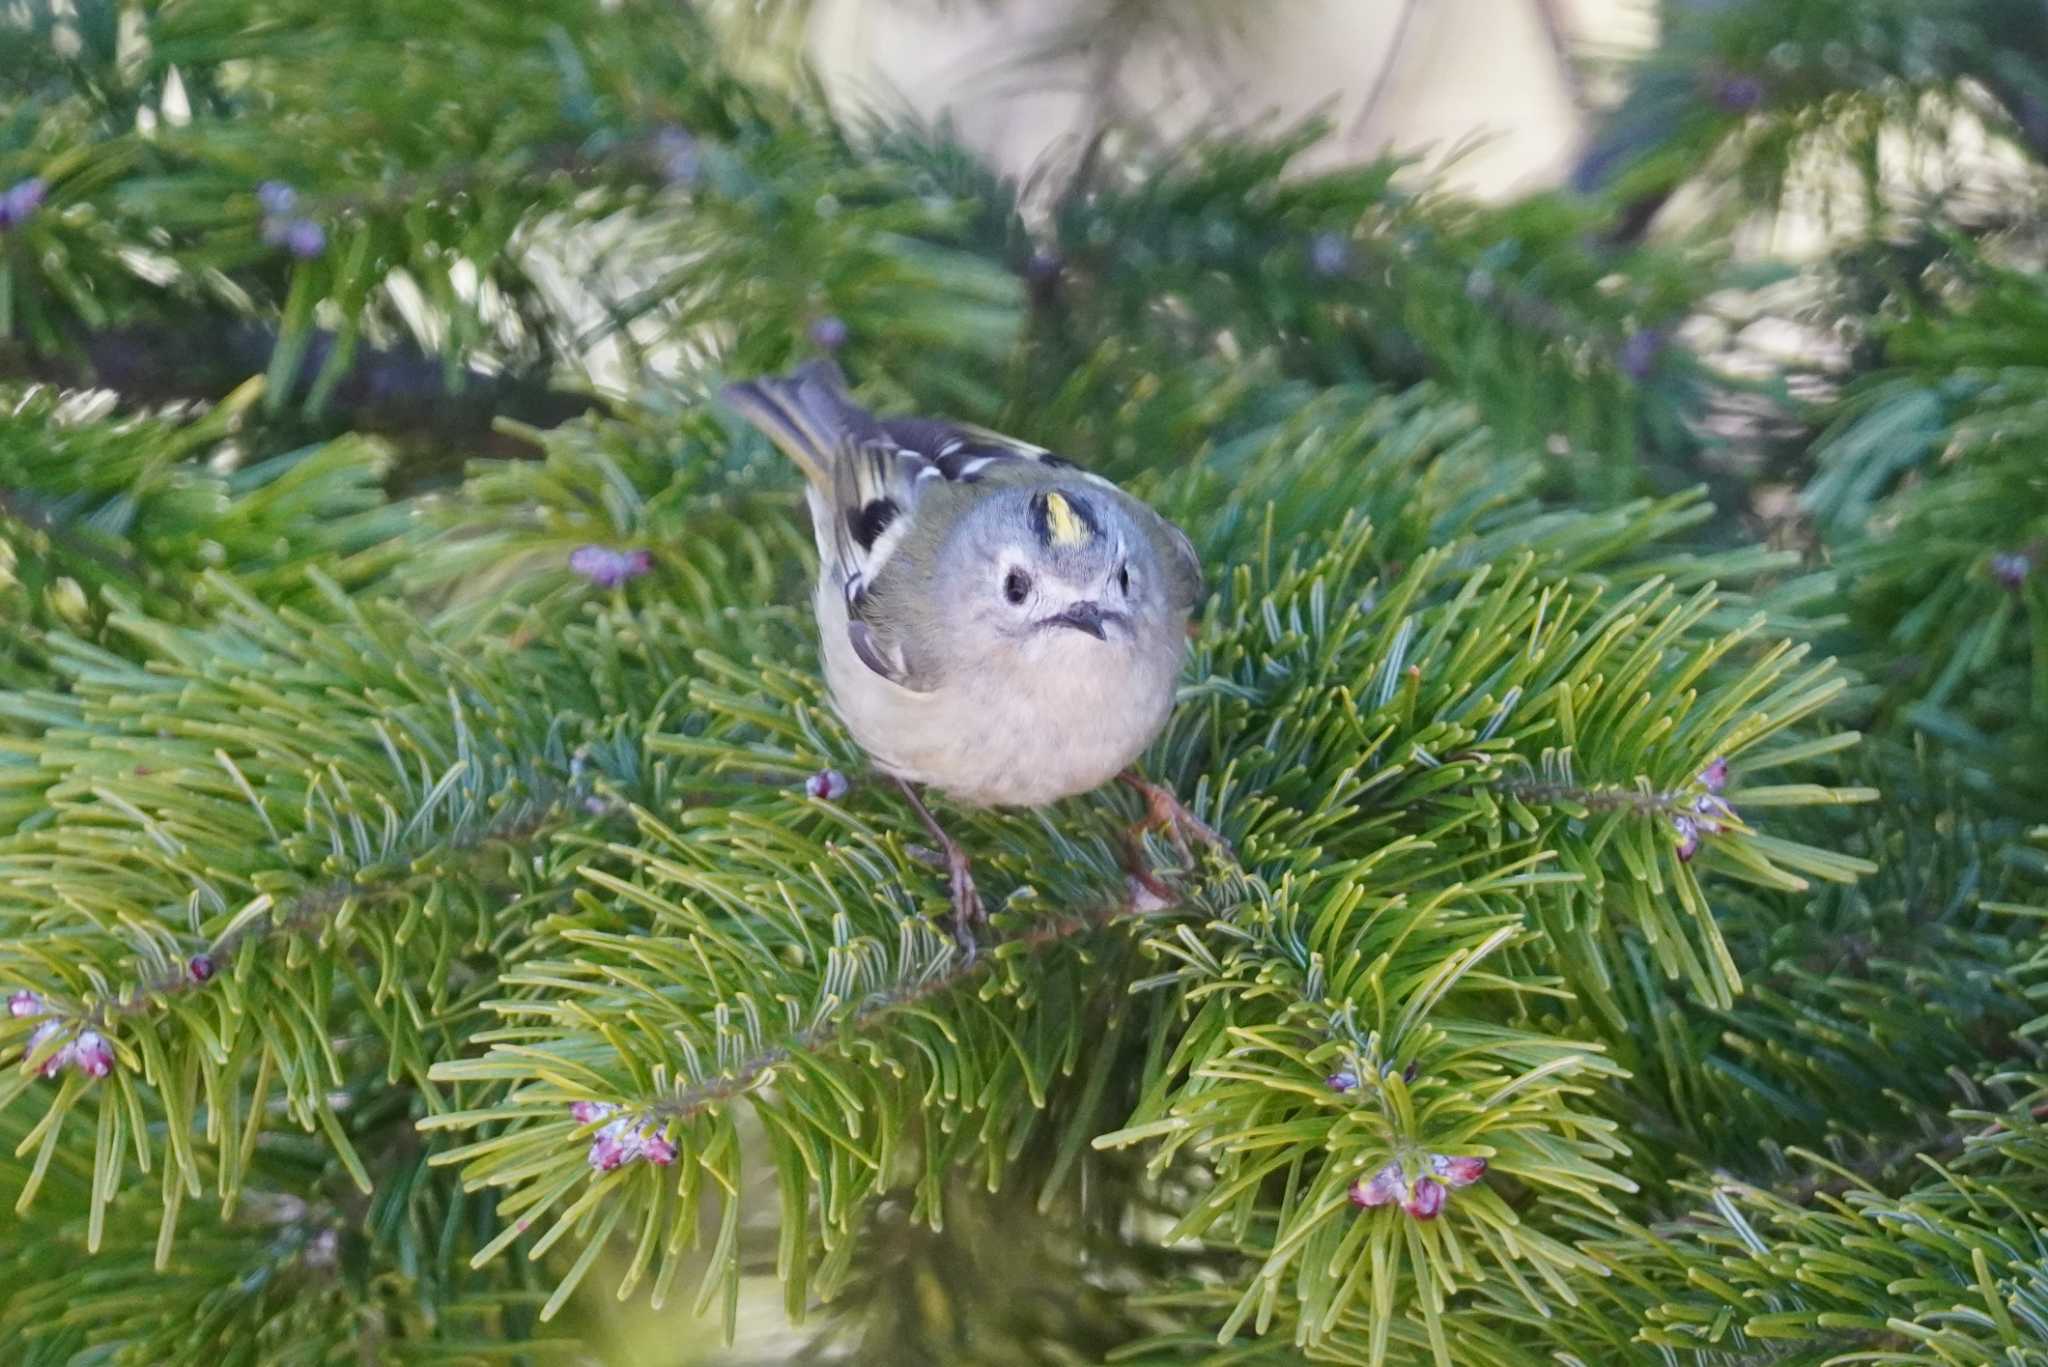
[1088, 617]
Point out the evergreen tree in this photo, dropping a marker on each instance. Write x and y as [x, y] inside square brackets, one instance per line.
[437, 900]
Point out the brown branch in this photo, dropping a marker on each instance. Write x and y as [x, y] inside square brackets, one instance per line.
[750, 1071]
[398, 391]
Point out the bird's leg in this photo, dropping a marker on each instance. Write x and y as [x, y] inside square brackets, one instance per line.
[1163, 811]
[967, 910]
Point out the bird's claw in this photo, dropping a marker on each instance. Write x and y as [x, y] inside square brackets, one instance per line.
[967, 909]
[1165, 812]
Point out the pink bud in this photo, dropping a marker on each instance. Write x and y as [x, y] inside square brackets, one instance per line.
[44, 1033]
[1426, 1200]
[323, 1250]
[1343, 1080]
[585, 1112]
[1385, 1186]
[1709, 814]
[92, 1055]
[611, 1148]
[1458, 1172]
[827, 784]
[1715, 775]
[1688, 838]
[608, 568]
[200, 968]
[657, 1149]
[24, 1004]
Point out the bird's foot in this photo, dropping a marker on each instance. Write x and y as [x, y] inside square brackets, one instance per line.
[1164, 812]
[968, 912]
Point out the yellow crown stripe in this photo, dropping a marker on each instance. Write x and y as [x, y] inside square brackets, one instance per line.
[1063, 522]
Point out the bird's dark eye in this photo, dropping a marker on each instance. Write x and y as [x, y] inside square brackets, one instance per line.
[1123, 580]
[1016, 586]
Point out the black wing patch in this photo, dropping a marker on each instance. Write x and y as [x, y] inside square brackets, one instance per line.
[872, 519]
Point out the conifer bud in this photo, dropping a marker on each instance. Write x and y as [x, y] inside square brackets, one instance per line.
[587, 1112]
[828, 333]
[608, 568]
[1426, 1199]
[1715, 775]
[21, 200]
[1385, 1186]
[276, 197]
[1639, 353]
[92, 1055]
[1343, 1080]
[1738, 94]
[199, 968]
[828, 785]
[44, 1033]
[304, 238]
[612, 1148]
[1329, 254]
[657, 1149]
[24, 1003]
[1710, 813]
[2011, 568]
[675, 152]
[1688, 837]
[1457, 1172]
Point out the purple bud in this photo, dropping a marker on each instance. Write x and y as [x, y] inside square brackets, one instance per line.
[1343, 1080]
[611, 1148]
[21, 200]
[1329, 254]
[675, 152]
[1386, 1186]
[1639, 353]
[1043, 266]
[1688, 837]
[276, 197]
[828, 333]
[586, 1112]
[1737, 94]
[827, 784]
[2011, 568]
[657, 1149]
[44, 1033]
[304, 238]
[1408, 1073]
[1710, 814]
[93, 1055]
[24, 1003]
[1426, 1200]
[608, 568]
[1457, 1172]
[323, 1250]
[1715, 775]
[199, 968]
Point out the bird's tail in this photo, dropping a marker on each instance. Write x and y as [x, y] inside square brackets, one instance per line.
[807, 413]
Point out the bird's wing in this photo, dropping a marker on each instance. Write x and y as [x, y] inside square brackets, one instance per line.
[872, 478]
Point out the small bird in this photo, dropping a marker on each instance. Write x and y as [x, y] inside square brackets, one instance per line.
[996, 622]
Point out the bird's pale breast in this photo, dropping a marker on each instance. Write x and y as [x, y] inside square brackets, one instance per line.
[1024, 737]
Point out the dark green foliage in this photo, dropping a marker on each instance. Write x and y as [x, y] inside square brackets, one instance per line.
[355, 844]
